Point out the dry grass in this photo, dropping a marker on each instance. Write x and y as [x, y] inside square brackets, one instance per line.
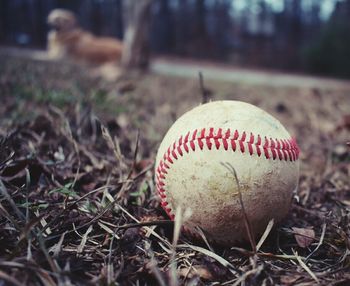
[78, 205]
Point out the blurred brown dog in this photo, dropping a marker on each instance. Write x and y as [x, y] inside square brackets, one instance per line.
[66, 39]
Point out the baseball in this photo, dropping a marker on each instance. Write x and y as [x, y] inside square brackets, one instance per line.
[190, 171]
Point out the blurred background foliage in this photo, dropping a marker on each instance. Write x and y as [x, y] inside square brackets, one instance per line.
[294, 35]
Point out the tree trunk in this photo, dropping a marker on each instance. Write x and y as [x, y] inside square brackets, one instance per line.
[136, 37]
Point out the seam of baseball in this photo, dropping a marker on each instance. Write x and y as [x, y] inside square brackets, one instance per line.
[271, 149]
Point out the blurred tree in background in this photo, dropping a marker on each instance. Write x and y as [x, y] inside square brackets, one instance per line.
[294, 35]
[136, 41]
[330, 52]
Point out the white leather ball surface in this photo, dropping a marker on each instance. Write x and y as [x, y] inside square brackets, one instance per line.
[190, 174]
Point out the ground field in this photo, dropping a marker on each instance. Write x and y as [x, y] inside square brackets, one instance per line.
[78, 204]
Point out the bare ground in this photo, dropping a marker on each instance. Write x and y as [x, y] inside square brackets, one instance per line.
[77, 198]
[224, 72]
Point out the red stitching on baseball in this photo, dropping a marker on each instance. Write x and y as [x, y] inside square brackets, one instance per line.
[174, 154]
[194, 135]
[274, 153]
[250, 148]
[241, 145]
[258, 151]
[169, 159]
[200, 143]
[281, 149]
[259, 140]
[224, 142]
[186, 137]
[179, 150]
[272, 143]
[193, 147]
[233, 145]
[266, 152]
[266, 142]
[207, 141]
[217, 143]
[219, 135]
[251, 140]
[186, 147]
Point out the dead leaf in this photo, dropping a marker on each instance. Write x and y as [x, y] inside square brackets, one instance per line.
[196, 270]
[289, 279]
[143, 164]
[304, 236]
[344, 124]
[126, 87]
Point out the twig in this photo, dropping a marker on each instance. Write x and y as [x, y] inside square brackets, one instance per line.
[58, 216]
[247, 223]
[6, 195]
[29, 238]
[201, 233]
[205, 92]
[8, 278]
[109, 263]
[265, 234]
[153, 265]
[211, 254]
[173, 265]
[320, 241]
[135, 154]
[5, 214]
[145, 170]
[58, 246]
[266, 254]
[147, 228]
[306, 268]
[84, 239]
[240, 280]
